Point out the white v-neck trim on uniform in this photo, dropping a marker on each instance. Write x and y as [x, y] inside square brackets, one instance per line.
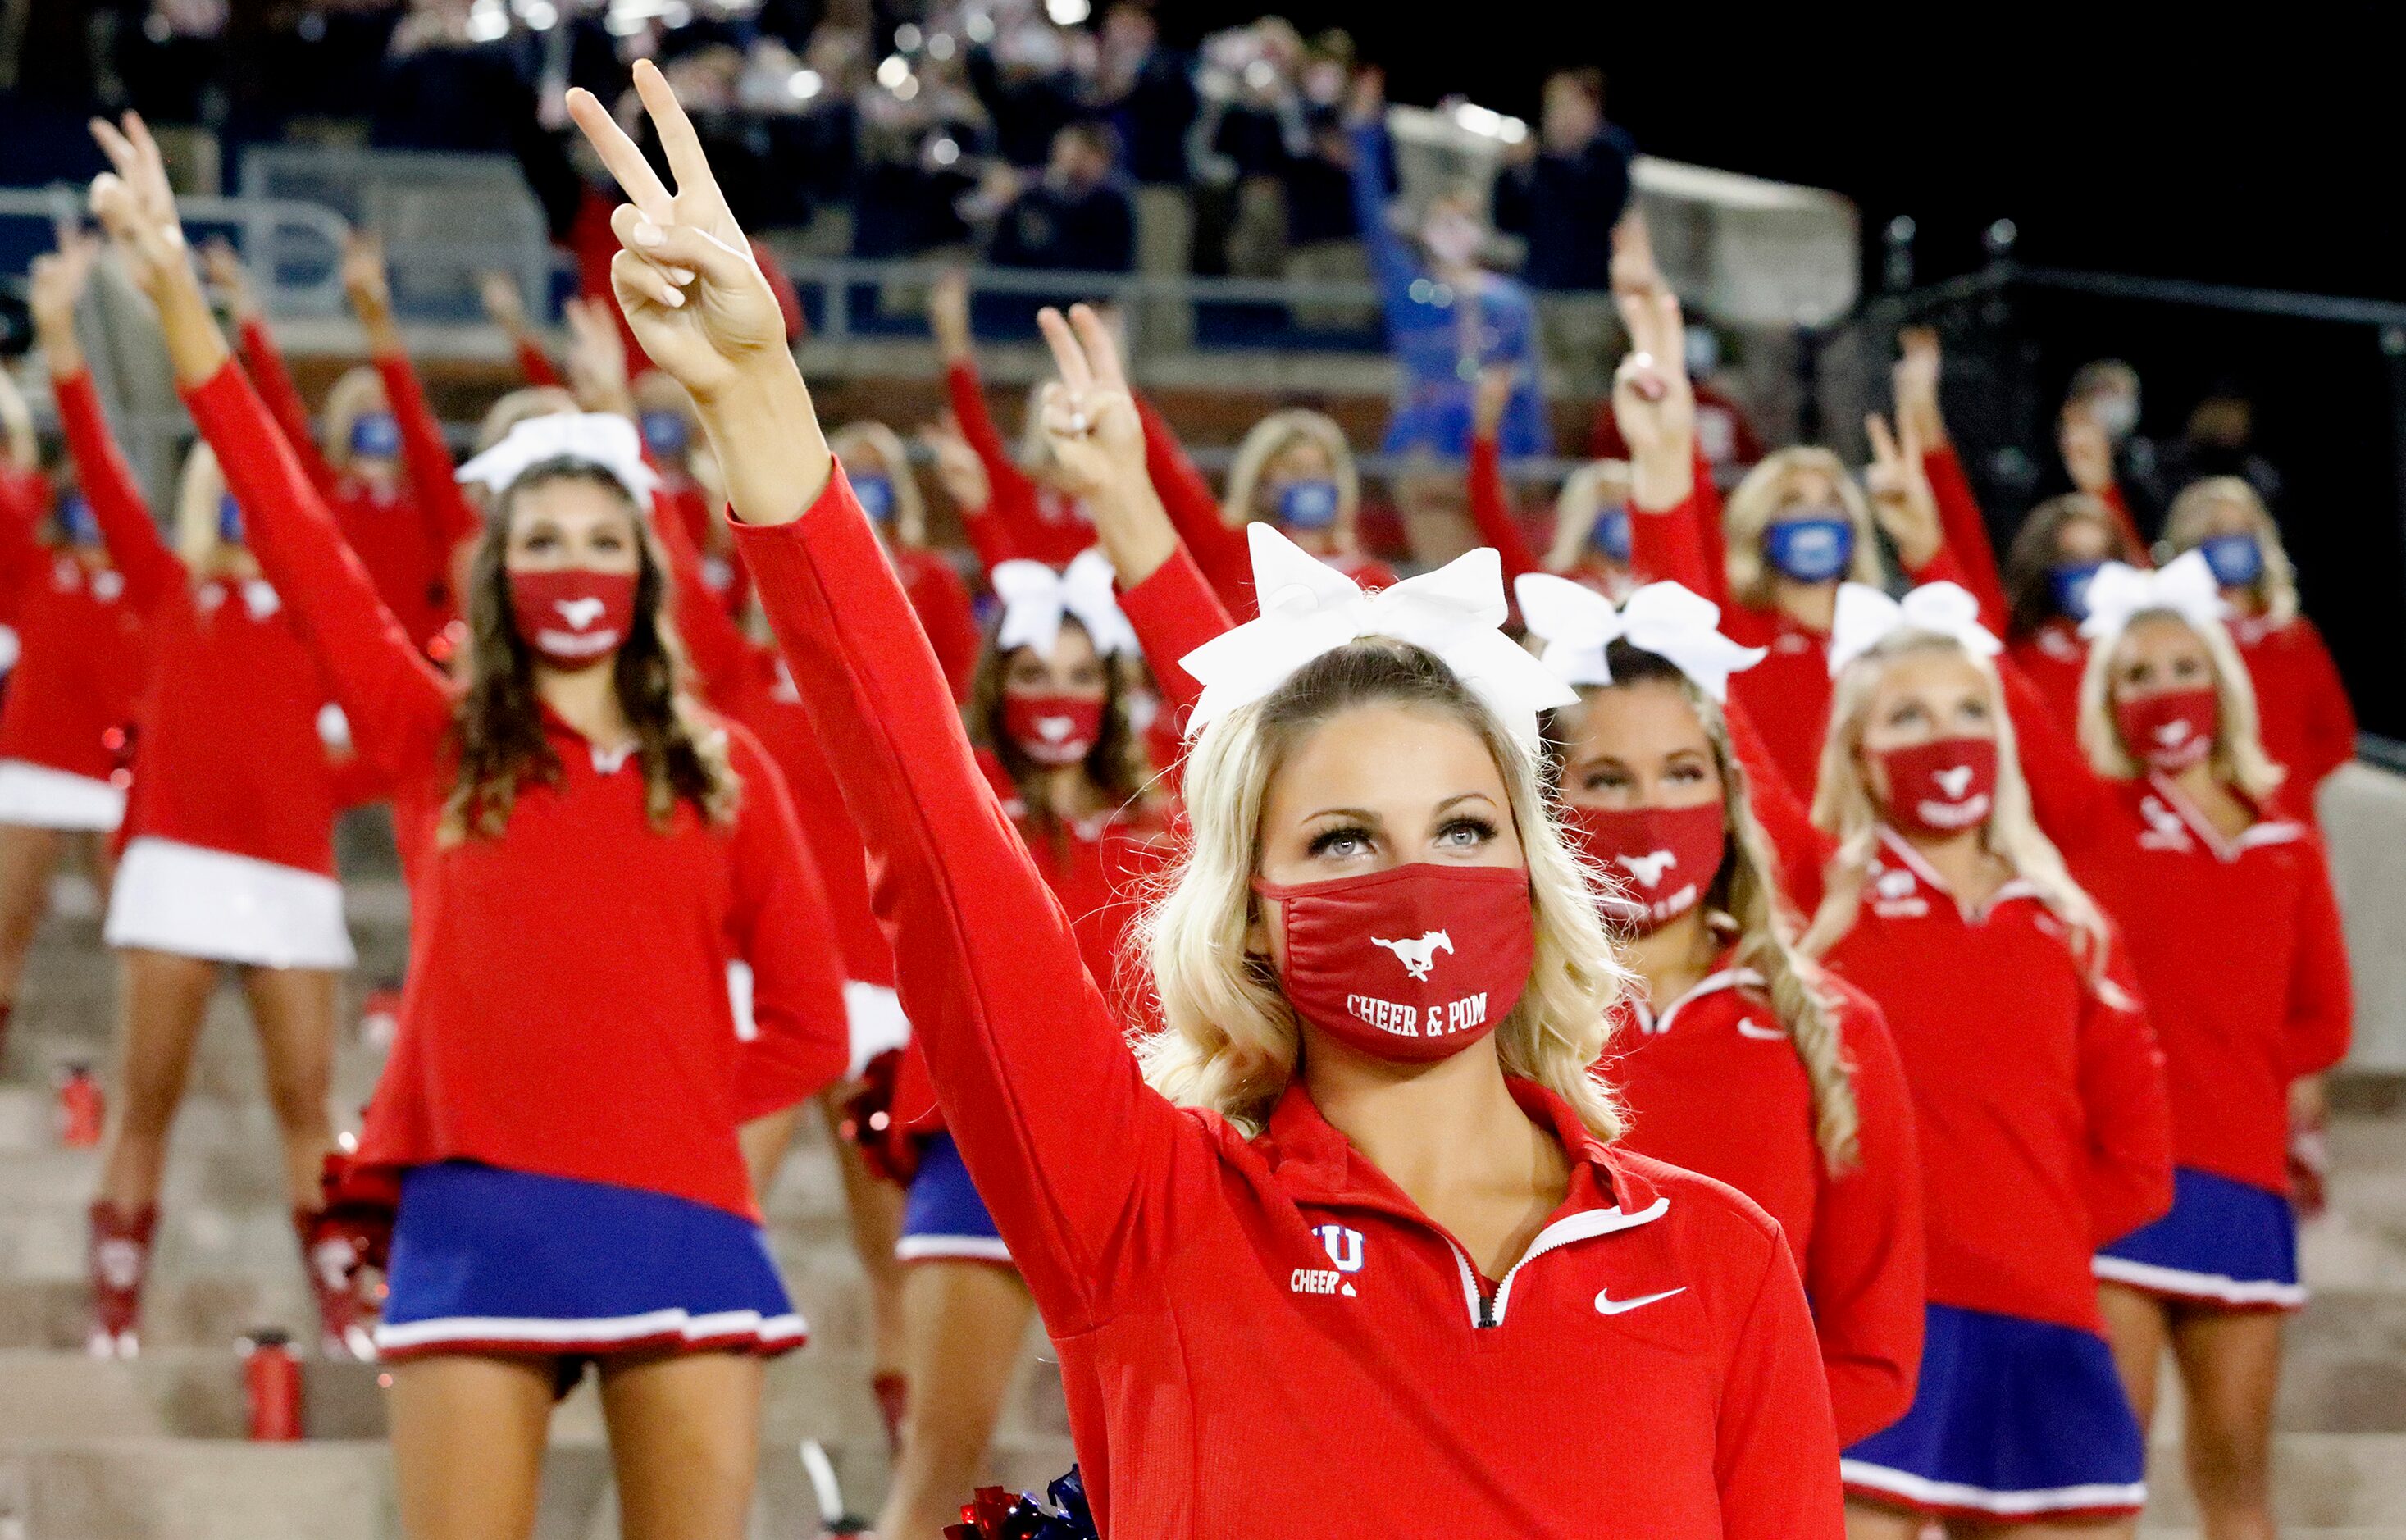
[2012, 887]
[2224, 848]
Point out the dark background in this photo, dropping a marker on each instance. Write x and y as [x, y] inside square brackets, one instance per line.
[2260, 145]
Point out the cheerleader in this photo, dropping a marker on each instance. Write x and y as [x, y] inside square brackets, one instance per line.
[2175, 824]
[2308, 726]
[1821, 1135]
[879, 468]
[226, 848]
[1050, 714]
[1273, 1299]
[65, 730]
[2057, 552]
[1029, 513]
[565, 795]
[2038, 1094]
[1294, 470]
[1593, 535]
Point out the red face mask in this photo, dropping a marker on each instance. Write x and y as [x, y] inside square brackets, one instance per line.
[1944, 787]
[1053, 730]
[1415, 963]
[2170, 731]
[574, 617]
[1665, 857]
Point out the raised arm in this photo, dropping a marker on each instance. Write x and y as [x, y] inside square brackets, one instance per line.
[1675, 519]
[783, 928]
[1219, 549]
[988, 969]
[1964, 527]
[1802, 850]
[997, 528]
[2087, 453]
[150, 570]
[264, 363]
[1365, 126]
[1491, 505]
[389, 693]
[433, 482]
[505, 307]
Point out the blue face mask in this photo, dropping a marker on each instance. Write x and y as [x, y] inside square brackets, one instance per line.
[1814, 549]
[376, 435]
[665, 434]
[875, 494]
[2237, 560]
[2070, 581]
[1610, 535]
[1308, 505]
[229, 519]
[76, 524]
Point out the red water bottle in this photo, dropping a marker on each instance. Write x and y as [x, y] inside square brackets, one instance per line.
[271, 1381]
[82, 1110]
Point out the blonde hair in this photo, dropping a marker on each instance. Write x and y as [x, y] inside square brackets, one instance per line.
[200, 492]
[2184, 528]
[517, 406]
[1843, 807]
[1271, 438]
[1746, 892]
[1763, 493]
[1577, 507]
[359, 391]
[910, 508]
[2239, 758]
[1231, 1041]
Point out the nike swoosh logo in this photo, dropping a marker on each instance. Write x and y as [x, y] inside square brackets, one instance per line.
[1607, 1304]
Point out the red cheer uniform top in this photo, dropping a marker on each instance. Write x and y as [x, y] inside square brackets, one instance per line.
[942, 601]
[1713, 1083]
[566, 1011]
[71, 696]
[1222, 550]
[1023, 519]
[2301, 707]
[403, 548]
[228, 751]
[2038, 1092]
[1265, 1330]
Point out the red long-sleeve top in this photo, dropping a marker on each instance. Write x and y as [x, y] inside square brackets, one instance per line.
[71, 696]
[2038, 1091]
[2053, 659]
[599, 1043]
[228, 752]
[2301, 707]
[405, 551]
[942, 601]
[1713, 1083]
[1173, 1256]
[1220, 550]
[2236, 942]
[1021, 519]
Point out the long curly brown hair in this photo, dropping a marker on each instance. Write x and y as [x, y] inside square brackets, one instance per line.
[497, 732]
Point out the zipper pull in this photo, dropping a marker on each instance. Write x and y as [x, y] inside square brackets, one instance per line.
[1486, 1310]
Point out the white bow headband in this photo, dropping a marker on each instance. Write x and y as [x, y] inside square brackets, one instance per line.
[1308, 610]
[1036, 599]
[1867, 618]
[1577, 623]
[603, 440]
[2186, 586]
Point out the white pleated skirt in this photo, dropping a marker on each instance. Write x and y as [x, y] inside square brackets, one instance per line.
[38, 797]
[171, 897]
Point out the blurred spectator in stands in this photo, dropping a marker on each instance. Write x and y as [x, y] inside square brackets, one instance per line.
[1146, 92]
[1251, 126]
[2106, 393]
[170, 59]
[1025, 80]
[1076, 216]
[450, 84]
[1324, 241]
[1726, 435]
[921, 139]
[1564, 189]
[2220, 442]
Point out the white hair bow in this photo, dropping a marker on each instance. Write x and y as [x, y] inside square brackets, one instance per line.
[1867, 618]
[1036, 599]
[2185, 585]
[603, 440]
[1577, 623]
[1309, 609]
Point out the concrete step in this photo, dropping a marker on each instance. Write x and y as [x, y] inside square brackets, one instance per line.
[2335, 1480]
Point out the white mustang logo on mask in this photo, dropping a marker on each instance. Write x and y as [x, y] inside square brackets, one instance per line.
[578, 613]
[1954, 782]
[2172, 735]
[1648, 868]
[1418, 955]
[1055, 728]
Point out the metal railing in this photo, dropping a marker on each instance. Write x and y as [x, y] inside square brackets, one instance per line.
[294, 248]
